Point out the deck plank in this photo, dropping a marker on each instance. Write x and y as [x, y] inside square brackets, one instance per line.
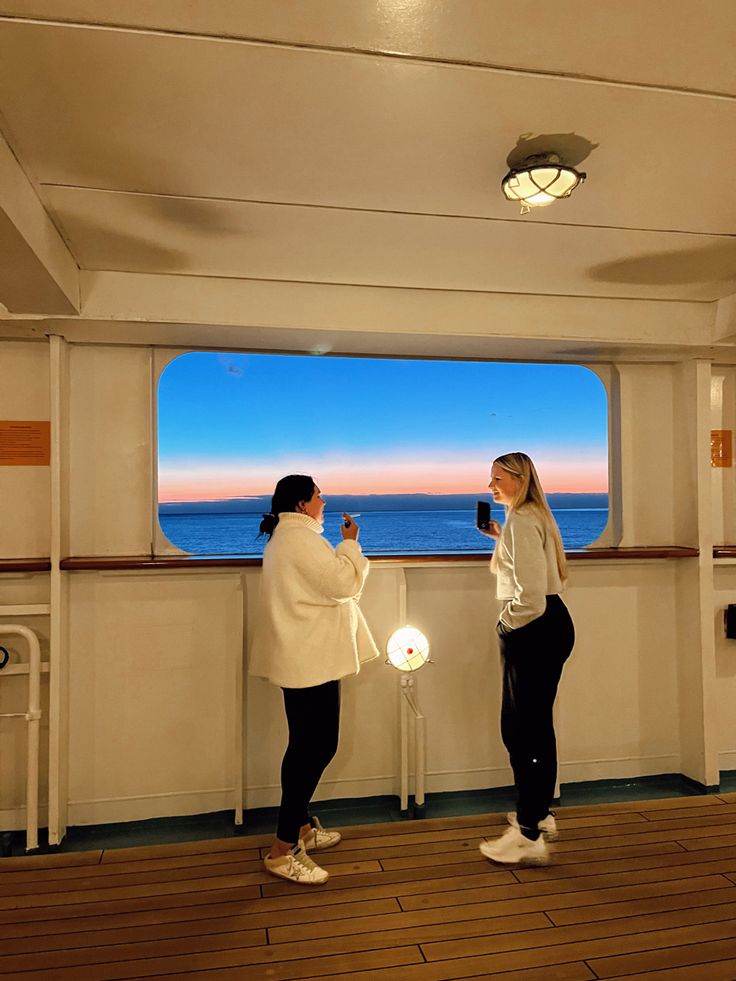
[55, 861]
[723, 970]
[639, 889]
[67, 873]
[448, 971]
[702, 951]
[149, 965]
[42, 914]
[609, 911]
[165, 924]
[638, 932]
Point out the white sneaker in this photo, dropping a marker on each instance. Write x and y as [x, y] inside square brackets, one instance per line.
[297, 866]
[512, 848]
[548, 825]
[320, 837]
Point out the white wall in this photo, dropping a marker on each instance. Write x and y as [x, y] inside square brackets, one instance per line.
[24, 533]
[153, 655]
[110, 451]
[618, 705]
[647, 437]
[725, 593]
[24, 491]
[723, 416]
[152, 682]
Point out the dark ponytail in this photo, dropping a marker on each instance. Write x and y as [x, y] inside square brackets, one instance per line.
[289, 492]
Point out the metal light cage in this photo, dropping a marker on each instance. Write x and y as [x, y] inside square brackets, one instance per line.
[539, 183]
[407, 649]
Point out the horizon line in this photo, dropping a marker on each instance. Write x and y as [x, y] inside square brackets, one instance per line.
[479, 494]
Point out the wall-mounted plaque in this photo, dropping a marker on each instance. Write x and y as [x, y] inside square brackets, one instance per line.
[721, 448]
[24, 443]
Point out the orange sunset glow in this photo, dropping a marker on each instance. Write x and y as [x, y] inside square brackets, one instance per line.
[385, 476]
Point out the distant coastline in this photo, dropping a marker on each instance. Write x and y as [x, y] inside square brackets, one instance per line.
[376, 502]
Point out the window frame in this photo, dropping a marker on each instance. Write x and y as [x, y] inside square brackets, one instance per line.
[607, 374]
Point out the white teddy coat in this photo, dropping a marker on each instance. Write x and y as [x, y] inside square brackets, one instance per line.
[310, 629]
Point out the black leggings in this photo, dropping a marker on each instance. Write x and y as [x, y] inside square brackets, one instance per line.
[313, 715]
[533, 657]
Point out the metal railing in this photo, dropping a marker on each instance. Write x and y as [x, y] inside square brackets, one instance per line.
[32, 715]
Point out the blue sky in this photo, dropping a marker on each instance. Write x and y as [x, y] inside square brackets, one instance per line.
[231, 424]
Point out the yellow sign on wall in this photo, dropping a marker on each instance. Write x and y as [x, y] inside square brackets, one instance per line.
[24, 443]
[721, 448]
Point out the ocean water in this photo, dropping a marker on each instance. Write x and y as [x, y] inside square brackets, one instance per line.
[421, 532]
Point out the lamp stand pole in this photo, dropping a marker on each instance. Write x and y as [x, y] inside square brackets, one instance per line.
[409, 705]
[410, 711]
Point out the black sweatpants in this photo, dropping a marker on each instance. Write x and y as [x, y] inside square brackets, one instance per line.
[313, 716]
[533, 657]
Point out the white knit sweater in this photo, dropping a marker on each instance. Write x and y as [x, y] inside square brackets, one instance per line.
[525, 564]
[310, 629]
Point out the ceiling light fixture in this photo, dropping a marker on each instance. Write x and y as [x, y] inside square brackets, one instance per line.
[541, 180]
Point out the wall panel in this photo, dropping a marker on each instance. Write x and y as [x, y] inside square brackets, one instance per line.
[110, 451]
[24, 491]
[725, 593]
[152, 682]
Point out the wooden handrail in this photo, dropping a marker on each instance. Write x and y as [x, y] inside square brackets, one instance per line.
[85, 563]
[25, 565]
[117, 562]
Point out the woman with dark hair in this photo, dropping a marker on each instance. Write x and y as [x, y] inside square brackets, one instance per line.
[310, 634]
[536, 637]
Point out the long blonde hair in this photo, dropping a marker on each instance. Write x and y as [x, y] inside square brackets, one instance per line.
[531, 496]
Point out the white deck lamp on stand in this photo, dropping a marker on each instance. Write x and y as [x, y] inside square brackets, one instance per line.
[407, 650]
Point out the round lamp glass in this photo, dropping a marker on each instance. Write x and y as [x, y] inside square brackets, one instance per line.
[407, 649]
[541, 185]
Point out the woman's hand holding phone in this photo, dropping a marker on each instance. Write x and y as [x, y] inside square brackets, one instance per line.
[492, 531]
[483, 521]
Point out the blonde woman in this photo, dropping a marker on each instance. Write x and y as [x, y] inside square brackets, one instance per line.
[536, 637]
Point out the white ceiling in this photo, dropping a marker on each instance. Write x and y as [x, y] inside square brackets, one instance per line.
[363, 143]
[670, 43]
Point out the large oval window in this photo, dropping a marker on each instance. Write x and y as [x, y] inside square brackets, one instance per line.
[405, 444]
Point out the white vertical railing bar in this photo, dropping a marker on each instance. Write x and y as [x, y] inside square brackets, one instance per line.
[409, 693]
[419, 742]
[404, 792]
[153, 450]
[402, 597]
[717, 474]
[240, 695]
[32, 715]
[615, 456]
[58, 690]
[409, 704]
[404, 712]
[706, 584]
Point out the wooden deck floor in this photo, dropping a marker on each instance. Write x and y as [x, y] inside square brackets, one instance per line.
[638, 890]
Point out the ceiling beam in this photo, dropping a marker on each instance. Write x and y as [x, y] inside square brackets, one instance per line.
[38, 274]
[724, 328]
[191, 312]
[150, 298]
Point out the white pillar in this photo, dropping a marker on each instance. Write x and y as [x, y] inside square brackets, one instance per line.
[58, 653]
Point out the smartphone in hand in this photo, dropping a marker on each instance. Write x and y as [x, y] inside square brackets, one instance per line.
[483, 515]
